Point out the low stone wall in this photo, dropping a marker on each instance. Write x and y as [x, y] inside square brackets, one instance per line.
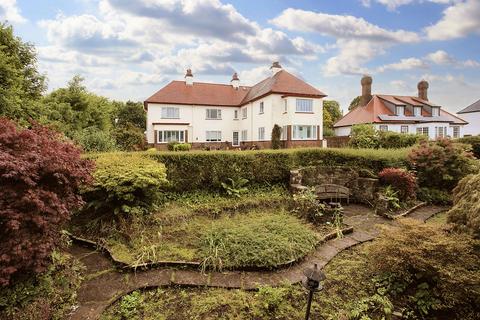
[362, 190]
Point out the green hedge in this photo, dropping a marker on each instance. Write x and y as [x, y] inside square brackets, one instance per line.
[474, 141]
[207, 169]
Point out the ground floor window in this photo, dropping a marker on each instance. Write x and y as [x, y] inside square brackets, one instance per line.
[456, 132]
[422, 130]
[404, 129]
[383, 127]
[440, 132]
[283, 136]
[261, 133]
[214, 135]
[244, 135]
[165, 136]
[304, 132]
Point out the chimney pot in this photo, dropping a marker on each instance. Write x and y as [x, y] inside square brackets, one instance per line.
[189, 77]
[275, 67]
[366, 83]
[235, 81]
[423, 90]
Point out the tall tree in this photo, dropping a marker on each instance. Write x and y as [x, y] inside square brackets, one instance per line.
[20, 82]
[333, 108]
[355, 103]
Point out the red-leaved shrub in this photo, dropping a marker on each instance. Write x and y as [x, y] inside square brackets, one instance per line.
[40, 175]
[401, 180]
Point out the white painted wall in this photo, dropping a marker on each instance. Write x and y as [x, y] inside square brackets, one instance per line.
[473, 126]
[412, 128]
[274, 113]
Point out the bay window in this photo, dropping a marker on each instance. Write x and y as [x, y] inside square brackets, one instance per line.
[165, 136]
[304, 132]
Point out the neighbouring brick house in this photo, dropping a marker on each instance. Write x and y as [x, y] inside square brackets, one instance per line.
[403, 114]
[220, 115]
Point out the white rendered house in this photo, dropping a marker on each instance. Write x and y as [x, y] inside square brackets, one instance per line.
[231, 116]
[471, 114]
[402, 114]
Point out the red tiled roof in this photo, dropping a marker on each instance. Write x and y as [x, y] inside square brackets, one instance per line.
[376, 106]
[211, 94]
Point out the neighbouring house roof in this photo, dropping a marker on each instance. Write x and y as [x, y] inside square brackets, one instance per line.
[378, 111]
[474, 107]
[212, 94]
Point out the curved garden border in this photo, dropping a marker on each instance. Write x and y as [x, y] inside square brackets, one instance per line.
[191, 264]
[403, 214]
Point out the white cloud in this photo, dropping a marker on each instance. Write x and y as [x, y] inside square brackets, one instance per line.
[441, 57]
[459, 20]
[10, 12]
[394, 4]
[405, 64]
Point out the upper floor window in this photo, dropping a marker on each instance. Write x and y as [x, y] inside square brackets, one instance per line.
[404, 129]
[399, 110]
[261, 133]
[304, 105]
[435, 112]
[261, 108]
[285, 106]
[235, 114]
[170, 113]
[244, 113]
[304, 132]
[214, 114]
[383, 127]
[417, 111]
[214, 135]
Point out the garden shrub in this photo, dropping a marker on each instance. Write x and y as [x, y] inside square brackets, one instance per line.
[95, 140]
[178, 146]
[364, 136]
[433, 271]
[276, 136]
[441, 164]
[49, 295]
[261, 241]
[393, 140]
[465, 213]
[40, 177]
[207, 170]
[129, 138]
[401, 180]
[474, 141]
[307, 206]
[125, 184]
[434, 196]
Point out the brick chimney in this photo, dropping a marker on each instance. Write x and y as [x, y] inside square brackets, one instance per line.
[423, 90]
[275, 67]
[235, 82]
[189, 78]
[366, 90]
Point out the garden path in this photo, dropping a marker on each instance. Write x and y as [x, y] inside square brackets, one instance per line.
[104, 284]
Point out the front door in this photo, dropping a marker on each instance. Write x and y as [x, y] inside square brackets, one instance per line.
[235, 140]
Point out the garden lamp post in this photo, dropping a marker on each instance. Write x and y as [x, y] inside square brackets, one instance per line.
[312, 282]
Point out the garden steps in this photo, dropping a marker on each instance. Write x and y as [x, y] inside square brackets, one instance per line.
[98, 293]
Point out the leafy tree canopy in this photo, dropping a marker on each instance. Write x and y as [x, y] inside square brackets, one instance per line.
[355, 103]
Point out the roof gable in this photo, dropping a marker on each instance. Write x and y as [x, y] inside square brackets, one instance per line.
[474, 107]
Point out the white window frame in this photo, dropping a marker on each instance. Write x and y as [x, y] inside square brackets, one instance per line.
[261, 108]
[283, 136]
[244, 135]
[213, 135]
[285, 106]
[435, 112]
[261, 133]
[400, 110]
[299, 132]
[423, 131]
[214, 114]
[170, 113]
[161, 135]
[244, 113]
[383, 127]
[235, 114]
[417, 111]
[403, 129]
[304, 106]
[456, 131]
[440, 132]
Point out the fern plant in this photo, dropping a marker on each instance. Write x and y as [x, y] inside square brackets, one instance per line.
[235, 187]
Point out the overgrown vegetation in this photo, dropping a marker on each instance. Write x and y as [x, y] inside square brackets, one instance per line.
[474, 142]
[465, 213]
[366, 136]
[40, 178]
[401, 180]
[125, 184]
[441, 164]
[49, 295]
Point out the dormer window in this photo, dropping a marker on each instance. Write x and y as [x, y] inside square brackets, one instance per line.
[400, 110]
[417, 111]
[435, 112]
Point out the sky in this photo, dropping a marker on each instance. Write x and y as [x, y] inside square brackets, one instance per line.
[127, 50]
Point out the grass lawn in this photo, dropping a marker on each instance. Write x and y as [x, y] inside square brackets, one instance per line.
[255, 230]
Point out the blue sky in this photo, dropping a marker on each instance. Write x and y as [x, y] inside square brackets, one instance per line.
[129, 49]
